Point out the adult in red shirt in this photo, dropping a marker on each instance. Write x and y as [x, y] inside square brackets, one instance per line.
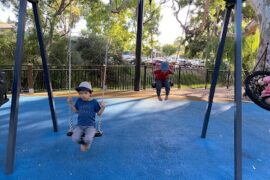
[162, 79]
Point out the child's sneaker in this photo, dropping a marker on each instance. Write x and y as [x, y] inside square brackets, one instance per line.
[82, 147]
[159, 98]
[86, 147]
[166, 98]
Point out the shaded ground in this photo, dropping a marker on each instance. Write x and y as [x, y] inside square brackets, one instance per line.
[198, 94]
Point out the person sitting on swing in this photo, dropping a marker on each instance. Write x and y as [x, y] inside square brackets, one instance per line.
[265, 94]
[162, 79]
[86, 107]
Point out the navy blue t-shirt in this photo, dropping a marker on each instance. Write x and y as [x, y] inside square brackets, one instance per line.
[87, 111]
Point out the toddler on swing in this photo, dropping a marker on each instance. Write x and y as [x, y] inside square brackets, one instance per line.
[162, 79]
[86, 107]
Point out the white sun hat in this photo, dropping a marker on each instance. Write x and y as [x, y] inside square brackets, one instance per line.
[84, 86]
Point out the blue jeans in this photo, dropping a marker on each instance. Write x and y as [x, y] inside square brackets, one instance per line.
[160, 84]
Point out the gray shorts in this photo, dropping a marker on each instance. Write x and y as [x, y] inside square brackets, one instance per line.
[89, 131]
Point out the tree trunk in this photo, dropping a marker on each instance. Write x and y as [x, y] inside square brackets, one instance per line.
[262, 9]
[251, 28]
[51, 33]
[53, 22]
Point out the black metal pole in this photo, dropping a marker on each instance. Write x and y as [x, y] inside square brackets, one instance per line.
[45, 66]
[179, 77]
[206, 79]
[16, 86]
[238, 93]
[144, 77]
[228, 79]
[216, 69]
[138, 46]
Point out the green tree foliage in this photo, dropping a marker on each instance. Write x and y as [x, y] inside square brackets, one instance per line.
[91, 49]
[168, 49]
[116, 24]
[7, 46]
[152, 17]
[55, 18]
[114, 28]
[120, 27]
[203, 30]
[250, 48]
[58, 51]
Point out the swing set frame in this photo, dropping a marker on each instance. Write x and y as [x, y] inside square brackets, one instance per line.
[230, 4]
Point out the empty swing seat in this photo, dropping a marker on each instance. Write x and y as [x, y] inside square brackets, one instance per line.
[3, 89]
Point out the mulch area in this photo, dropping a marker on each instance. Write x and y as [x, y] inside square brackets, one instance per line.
[198, 94]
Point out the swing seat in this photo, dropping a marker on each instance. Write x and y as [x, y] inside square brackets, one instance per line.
[3, 101]
[154, 84]
[98, 134]
[69, 133]
[254, 90]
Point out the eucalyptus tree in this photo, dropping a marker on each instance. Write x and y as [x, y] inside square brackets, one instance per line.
[204, 25]
[262, 9]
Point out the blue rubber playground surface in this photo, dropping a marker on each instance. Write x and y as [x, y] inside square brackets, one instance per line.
[143, 139]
